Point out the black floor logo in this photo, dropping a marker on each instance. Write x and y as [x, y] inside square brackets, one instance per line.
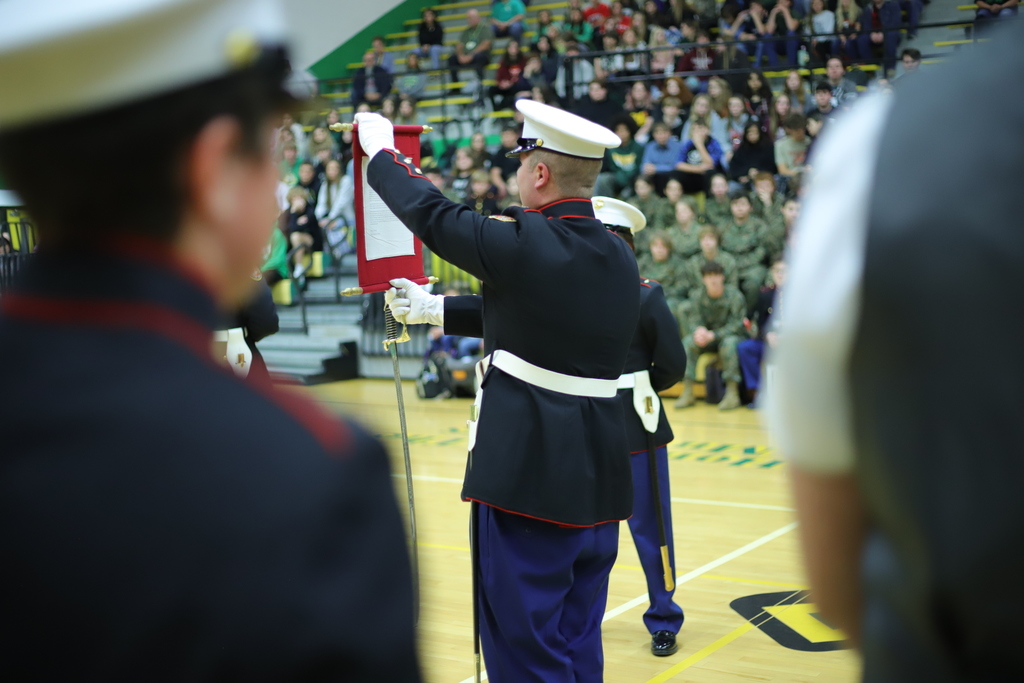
[791, 621]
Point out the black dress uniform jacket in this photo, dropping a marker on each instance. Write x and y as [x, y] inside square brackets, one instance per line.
[161, 520]
[259, 319]
[938, 440]
[559, 291]
[658, 349]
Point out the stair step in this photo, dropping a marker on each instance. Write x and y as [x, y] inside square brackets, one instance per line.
[446, 17]
[299, 342]
[460, 5]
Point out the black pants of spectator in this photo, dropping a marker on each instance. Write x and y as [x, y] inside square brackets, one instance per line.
[317, 234]
[272, 277]
[478, 63]
[692, 182]
[504, 98]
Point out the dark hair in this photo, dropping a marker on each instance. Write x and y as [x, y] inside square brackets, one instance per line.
[153, 194]
[823, 86]
[712, 268]
[795, 122]
[660, 125]
[624, 233]
[737, 195]
[911, 52]
[376, 38]
[625, 120]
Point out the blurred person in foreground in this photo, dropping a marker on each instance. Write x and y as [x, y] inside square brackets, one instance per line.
[907, 486]
[161, 519]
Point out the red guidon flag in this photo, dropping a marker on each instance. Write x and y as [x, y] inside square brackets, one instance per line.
[385, 247]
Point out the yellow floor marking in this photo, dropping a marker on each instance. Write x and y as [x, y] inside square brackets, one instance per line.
[701, 654]
[756, 582]
[442, 547]
[776, 611]
[801, 619]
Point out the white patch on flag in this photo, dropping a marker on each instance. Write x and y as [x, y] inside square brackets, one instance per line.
[383, 234]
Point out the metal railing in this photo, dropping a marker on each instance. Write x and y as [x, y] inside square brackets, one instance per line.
[721, 46]
[17, 242]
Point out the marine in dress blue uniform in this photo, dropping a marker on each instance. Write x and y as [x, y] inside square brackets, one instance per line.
[548, 461]
[656, 361]
[160, 518]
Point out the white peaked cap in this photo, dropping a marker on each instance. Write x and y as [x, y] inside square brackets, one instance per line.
[555, 130]
[618, 213]
[67, 57]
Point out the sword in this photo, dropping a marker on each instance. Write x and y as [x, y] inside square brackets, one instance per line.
[652, 463]
[391, 343]
[474, 549]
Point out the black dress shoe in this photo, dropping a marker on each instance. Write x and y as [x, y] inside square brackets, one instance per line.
[663, 643]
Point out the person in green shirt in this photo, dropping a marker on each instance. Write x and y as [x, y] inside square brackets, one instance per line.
[507, 19]
[653, 207]
[765, 201]
[579, 27]
[275, 258]
[777, 234]
[716, 206]
[622, 164]
[709, 251]
[684, 229]
[660, 263]
[473, 51]
[743, 238]
[288, 167]
[717, 312]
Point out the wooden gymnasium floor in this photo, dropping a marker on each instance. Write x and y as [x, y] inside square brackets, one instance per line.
[734, 536]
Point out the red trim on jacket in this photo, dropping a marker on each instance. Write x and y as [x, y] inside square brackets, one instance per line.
[562, 201]
[406, 166]
[181, 329]
[161, 255]
[644, 451]
[541, 519]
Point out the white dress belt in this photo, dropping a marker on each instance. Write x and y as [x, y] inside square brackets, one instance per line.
[553, 381]
[628, 381]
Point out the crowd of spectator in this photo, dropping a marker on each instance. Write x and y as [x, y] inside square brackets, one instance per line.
[711, 152]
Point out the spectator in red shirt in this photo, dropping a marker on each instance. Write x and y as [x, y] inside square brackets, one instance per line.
[510, 77]
[598, 9]
[621, 21]
[878, 16]
[697, 62]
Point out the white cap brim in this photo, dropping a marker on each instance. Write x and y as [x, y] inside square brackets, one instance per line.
[555, 130]
[67, 57]
[616, 212]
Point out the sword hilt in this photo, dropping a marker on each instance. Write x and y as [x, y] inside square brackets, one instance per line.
[390, 325]
[391, 335]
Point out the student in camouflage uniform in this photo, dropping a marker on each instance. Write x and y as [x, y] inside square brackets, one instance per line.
[716, 206]
[765, 202]
[659, 263]
[653, 207]
[777, 235]
[717, 312]
[742, 237]
[684, 231]
[709, 251]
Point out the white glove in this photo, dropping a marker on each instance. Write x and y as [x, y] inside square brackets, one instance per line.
[375, 133]
[410, 303]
